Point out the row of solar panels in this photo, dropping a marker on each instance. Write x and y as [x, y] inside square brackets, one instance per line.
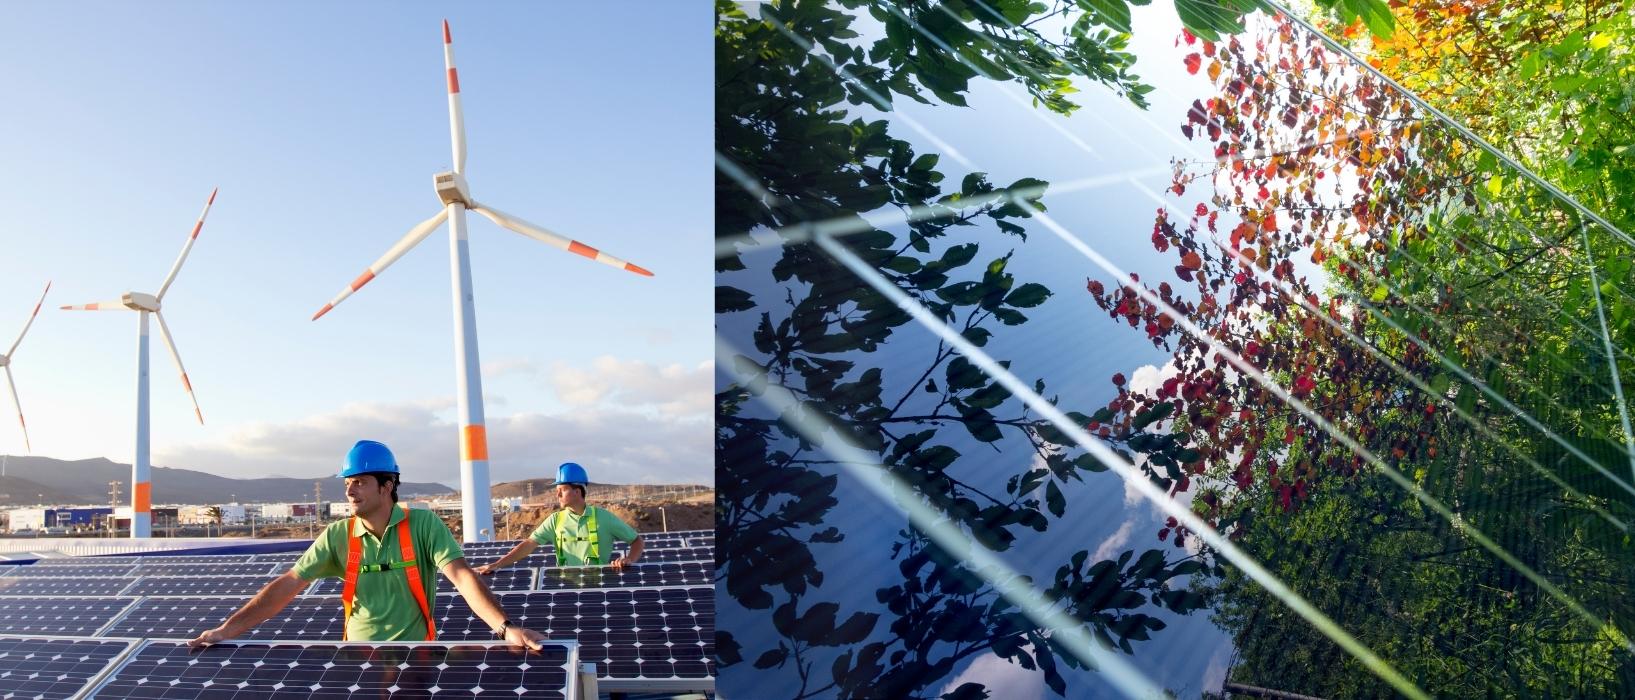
[61, 668]
[640, 638]
[215, 567]
[682, 573]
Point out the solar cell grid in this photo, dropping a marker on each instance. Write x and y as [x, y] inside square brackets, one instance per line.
[32, 667]
[303, 618]
[198, 585]
[84, 586]
[278, 556]
[638, 576]
[680, 554]
[67, 571]
[58, 615]
[87, 561]
[206, 569]
[200, 559]
[643, 634]
[170, 669]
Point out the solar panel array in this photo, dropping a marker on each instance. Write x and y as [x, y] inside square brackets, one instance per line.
[647, 628]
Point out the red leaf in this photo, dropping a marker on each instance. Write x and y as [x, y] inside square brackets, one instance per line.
[1202, 210]
[1192, 62]
[1118, 379]
[1191, 260]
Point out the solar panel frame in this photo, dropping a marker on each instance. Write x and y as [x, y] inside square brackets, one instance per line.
[151, 654]
[116, 651]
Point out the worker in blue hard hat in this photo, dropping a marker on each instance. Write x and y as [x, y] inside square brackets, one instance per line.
[583, 535]
[386, 556]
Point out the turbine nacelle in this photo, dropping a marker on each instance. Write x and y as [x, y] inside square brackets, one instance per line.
[137, 301]
[452, 189]
[4, 361]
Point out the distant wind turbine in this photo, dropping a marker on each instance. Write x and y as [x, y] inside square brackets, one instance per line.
[476, 510]
[144, 304]
[5, 363]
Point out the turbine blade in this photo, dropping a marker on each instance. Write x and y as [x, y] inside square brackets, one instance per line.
[456, 119]
[19, 405]
[415, 236]
[545, 235]
[115, 305]
[164, 334]
[30, 322]
[187, 246]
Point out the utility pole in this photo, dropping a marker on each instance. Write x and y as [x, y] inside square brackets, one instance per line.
[113, 501]
[317, 504]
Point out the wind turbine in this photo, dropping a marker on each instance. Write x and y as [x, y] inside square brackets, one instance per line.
[476, 510]
[144, 304]
[5, 363]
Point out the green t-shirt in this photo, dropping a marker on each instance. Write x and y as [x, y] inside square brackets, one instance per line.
[384, 609]
[577, 553]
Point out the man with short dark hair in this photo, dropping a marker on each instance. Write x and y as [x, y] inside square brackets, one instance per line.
[583, 535]
[386, 555]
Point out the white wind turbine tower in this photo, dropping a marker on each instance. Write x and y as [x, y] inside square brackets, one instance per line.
[476, 510]
[5, 363]
[144, 304]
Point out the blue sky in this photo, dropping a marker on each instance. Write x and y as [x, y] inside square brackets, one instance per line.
[323, 125]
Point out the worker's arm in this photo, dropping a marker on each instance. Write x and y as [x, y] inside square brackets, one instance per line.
[272, 598]
[482, 602]
[517, 553]
[633, 557]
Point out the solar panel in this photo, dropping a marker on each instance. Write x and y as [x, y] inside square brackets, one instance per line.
[65, 571]
[679, 554]
[507, 579]
[206, 569]
[86, 561]
[310, 618]
[640, 634]
[200, 559]
[278, 556]
[58, 615]
[701, 542]
[104, 585]
[34, 667]
[337, 669]
[198, 585]
[638, 576]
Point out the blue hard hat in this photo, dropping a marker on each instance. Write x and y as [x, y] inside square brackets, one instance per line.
[368, 457]
[570, 473]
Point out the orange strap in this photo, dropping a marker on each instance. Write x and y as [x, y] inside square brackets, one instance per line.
[411, 571]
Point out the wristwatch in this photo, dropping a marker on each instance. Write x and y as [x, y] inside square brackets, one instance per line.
[499, 632]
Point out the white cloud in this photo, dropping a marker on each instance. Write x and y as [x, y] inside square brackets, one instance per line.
[673, 390]
[617, 446]
[1114, 544]
[1147, 378]
[1002, 678]
[1215, 673]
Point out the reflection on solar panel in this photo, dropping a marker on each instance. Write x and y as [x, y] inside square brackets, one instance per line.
[170, 669]
[66, 571]
[638, 576]
[657, 634]
[196, 585]
[58, 616]
[14, 586]
[206, 569]
[32, 667]
[509, 579]
[305, 618]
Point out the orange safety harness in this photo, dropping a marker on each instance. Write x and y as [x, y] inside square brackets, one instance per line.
[411, 571]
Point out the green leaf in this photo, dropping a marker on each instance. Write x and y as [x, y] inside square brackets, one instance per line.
[1112, 13]
[1152, 415]
[1495, 185]
[1055, 500]
[1028, 295]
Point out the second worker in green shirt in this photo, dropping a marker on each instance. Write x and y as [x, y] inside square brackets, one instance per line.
[583, 535]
